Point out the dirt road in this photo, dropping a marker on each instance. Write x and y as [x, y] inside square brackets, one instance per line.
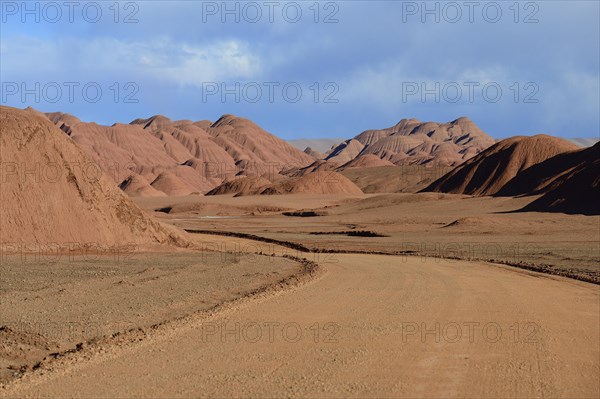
[371, 326]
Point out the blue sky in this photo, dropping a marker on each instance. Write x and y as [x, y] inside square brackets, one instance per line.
[310, 69]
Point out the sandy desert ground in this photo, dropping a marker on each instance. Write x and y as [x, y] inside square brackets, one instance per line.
[429, 224]
[369, 326]
[361, 325]
[53, 302]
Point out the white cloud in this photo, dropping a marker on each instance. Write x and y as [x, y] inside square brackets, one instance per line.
[223, 61]
[383, 85]
[160, 60]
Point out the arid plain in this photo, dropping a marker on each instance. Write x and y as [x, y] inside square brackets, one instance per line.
[211, 259]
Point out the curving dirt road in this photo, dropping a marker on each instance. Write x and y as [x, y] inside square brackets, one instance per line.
[371, 326]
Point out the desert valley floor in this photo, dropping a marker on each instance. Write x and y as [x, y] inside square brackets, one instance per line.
[242, 317]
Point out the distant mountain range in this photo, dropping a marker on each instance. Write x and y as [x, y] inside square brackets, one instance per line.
[412, 142]
[324, 145]
[157, 156]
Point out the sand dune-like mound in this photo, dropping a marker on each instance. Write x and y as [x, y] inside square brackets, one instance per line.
[197, 142]
[488, 172]
[547, 175]
[345, 152]
[243, 139]
[577, 190]
[121, 149]
[389, 146]
[240, 186]
[369, 137]
[411, 142]
[137, 186]
[317, 166]
[314, 183]
[578, 195]
[52, 193]
[366, 161]
[171, 184]
[202, 154]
